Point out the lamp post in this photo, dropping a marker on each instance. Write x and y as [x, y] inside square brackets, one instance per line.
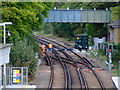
[4, 24]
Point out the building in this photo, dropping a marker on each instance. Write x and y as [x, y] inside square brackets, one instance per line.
[4, 58]
[114, 32]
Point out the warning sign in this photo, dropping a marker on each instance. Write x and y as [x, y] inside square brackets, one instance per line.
[77, 37]
[16, 76]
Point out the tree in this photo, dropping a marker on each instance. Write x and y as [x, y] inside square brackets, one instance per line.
[96, 30]
[23, 56]
[25, 16]
[47, 28]
[91, 5]
[115, 13]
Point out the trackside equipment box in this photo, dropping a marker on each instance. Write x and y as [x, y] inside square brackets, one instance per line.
[81, 42]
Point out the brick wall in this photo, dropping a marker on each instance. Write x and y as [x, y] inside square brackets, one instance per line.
[116, 35]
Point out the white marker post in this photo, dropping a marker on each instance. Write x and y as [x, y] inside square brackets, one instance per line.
[110, 47]
[119, 69]
[110, 61]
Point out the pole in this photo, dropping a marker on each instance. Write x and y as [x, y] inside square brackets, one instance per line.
[4, 34]
[110, 61]
[96, 56]
[119, 69]
[4, 75]
[4, 64]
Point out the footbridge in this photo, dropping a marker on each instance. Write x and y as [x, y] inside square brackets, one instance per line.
[78, 16]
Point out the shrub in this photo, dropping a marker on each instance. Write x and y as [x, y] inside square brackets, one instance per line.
[22, 55]
[101, 52]
[115, 55]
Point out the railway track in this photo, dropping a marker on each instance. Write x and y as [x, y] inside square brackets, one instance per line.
[69, 60]
[65, 68]
[80, 74]
[52, 70]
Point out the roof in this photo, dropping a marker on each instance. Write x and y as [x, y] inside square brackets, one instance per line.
[5, 45]
[115, 24]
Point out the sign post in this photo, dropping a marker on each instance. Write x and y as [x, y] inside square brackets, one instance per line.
[110, 47]
[119, 69]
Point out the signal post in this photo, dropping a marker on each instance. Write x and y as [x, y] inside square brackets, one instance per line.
[110, 48]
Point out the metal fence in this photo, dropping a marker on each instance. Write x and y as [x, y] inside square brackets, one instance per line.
[16, 75]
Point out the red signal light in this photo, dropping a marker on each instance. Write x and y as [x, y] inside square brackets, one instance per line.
[110, 50]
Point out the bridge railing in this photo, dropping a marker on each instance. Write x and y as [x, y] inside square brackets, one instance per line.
[79, 16]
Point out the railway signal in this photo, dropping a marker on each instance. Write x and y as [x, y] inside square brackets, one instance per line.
[110, 47]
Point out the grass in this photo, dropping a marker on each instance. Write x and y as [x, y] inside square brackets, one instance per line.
[115, 64]
[88, 51]
[116, 71]
[93, 56]
[68, 40]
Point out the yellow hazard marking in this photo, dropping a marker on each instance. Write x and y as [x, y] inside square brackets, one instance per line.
[24, 86]
[17, 71]
[17, 81]
[77, 37]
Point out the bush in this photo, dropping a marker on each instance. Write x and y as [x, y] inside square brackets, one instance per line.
[101, 52]
[116, 53]
[22, 55]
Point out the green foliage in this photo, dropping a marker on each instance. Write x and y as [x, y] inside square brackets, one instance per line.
[91, 5]
[25, 16]
[47, 28]
[22, 55]
[101, 52]
[116, 52]
[68, 30]
[116, 55]
[59, 5]
[90, 29]
[105, 43]
[115, 13]
[96, 30]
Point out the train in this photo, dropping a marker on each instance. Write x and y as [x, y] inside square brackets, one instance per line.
[81, 42]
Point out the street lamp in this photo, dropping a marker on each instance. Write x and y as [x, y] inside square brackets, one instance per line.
[3, 24]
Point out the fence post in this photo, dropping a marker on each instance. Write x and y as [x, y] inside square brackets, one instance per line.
[11, 76]
[96, 56]
[91, 52]
[103, 64]
[119, 69]
[26, 75]
[22, 75]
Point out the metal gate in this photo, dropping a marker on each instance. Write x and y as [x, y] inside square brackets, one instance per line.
[16, 75]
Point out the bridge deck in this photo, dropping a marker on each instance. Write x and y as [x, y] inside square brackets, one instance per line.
[79, 16]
